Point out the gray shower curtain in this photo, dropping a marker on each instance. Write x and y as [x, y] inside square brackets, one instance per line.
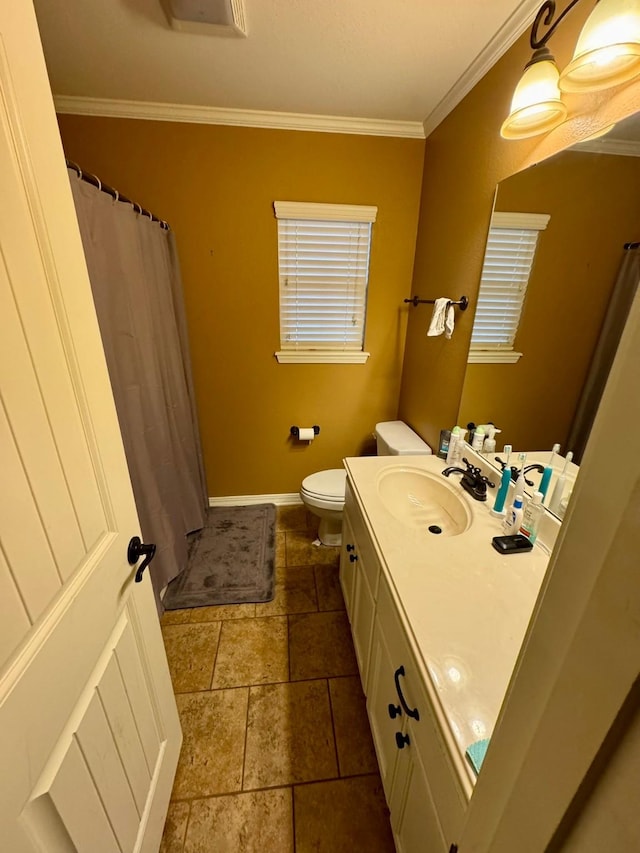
[622, 296]
[135, 279]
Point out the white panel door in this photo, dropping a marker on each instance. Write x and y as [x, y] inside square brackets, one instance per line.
[89, 732]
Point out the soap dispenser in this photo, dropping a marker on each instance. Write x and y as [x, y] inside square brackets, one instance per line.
[490, 440]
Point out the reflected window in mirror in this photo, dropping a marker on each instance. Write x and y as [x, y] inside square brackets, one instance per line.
[582, 277]
[508, 261]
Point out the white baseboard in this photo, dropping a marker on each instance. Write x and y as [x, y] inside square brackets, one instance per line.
[249, 500]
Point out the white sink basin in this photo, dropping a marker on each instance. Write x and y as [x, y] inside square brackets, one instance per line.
[423, 500]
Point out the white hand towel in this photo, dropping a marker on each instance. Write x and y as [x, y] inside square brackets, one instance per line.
[442, 319]
[449, 321]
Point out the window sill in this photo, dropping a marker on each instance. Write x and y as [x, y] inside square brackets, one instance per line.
[496, 356]
[319, 357]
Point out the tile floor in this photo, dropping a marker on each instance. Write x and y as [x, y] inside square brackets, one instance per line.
[277, 754]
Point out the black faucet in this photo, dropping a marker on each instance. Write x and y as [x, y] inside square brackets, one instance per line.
[515, 471]
[473, 481]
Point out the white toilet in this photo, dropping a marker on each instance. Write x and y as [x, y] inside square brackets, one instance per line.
[323, 493]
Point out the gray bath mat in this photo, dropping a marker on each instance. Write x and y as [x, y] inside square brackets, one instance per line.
[232, 560]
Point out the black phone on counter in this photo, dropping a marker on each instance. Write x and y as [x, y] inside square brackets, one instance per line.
[516, 544]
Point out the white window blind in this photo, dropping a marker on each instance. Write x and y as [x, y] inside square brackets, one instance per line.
[509, 255]
[323, 259]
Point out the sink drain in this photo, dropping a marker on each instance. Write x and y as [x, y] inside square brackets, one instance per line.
[435, 529]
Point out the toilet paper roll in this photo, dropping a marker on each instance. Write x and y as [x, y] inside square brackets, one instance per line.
[306, 434]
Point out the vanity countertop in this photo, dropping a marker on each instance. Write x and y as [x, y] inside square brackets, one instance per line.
[466, 606]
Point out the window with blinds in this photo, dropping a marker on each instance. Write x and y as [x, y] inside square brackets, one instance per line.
[508, 260]
[323, 260]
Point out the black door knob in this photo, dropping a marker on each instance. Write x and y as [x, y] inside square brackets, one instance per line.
[137, 549]
[402, 740]
[394, 711]
[353, 558]
[351, 547]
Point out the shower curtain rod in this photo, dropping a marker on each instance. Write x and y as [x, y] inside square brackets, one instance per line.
[115, 195]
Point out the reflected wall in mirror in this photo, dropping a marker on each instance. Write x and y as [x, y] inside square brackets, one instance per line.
[593, 200]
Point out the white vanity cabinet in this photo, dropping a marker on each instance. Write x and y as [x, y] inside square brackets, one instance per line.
[348, 558]
[402, 725]
[359, 572]
[425, 799]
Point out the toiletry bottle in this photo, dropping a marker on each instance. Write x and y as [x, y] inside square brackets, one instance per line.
[498, 506]
[490, 440]
[548, 471]
[471, 428]
[532, 517]
[521, 483]
[564, 503]
[478, 439]
[445, 437]
[451, 451]
[513, 520]
[460, 447]
[558, 492]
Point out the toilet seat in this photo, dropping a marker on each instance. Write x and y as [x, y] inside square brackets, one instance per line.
[325, 487]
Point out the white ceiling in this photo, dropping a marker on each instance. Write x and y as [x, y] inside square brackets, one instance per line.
[379, 59]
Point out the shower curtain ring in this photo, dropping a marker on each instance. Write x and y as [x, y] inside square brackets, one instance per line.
[75, 168]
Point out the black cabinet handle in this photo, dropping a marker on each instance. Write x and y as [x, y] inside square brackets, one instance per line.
[351, 547]
[415, 714]
[135, 550]
[353, 558]
[394, 711]
[402, 740]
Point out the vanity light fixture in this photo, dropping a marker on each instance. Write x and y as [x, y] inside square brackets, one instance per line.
[607, 54]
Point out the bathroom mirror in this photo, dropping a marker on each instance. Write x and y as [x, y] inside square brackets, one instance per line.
[590, 193]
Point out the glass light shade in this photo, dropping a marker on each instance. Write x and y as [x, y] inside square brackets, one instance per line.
[608, 50]
[598, 134]
[536, 106]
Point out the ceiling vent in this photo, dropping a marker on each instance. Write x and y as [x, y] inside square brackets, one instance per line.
[215, 17]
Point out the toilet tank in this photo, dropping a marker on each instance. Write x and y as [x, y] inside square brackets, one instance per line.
[395, 438]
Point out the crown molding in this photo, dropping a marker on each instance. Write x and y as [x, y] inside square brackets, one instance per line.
[74, 105]
[621, 147]
[511, 30]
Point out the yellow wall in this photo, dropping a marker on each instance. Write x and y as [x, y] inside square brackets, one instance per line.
[216, 187]
[594, 204]
[465, 158]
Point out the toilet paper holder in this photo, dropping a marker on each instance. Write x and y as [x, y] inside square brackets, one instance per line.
[295, 431]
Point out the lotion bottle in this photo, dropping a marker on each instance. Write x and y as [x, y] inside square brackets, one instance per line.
[459, 448]
[452, 450]
[513, 521]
